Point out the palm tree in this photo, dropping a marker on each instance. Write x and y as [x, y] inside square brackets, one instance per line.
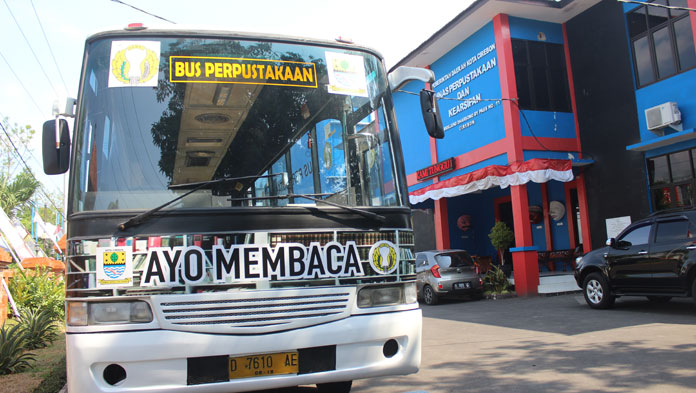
[16, 192]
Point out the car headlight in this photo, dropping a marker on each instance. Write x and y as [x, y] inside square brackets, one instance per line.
[377, 296]
[578, 261]
[108, 313]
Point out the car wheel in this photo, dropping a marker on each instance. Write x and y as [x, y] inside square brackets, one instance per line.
[429, 295]
[335, 387]
[597, 292]
[659, 299]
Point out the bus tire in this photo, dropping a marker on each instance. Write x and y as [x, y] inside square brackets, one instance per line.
[335, 387]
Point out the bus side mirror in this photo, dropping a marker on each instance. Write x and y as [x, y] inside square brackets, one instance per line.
[56, 147]
[431, 114]
[429, 108]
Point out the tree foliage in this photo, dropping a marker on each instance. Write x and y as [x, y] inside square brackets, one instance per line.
[501, 236]
[21, 136]
[18, 186]
[16, 192]
[39, 290]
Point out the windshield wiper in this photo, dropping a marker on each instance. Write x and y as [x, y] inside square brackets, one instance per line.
[196, 186]
[312, 197]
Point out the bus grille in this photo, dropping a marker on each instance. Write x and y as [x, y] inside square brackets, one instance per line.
[253, 311]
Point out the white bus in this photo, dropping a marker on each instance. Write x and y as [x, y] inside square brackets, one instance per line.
[237, 212]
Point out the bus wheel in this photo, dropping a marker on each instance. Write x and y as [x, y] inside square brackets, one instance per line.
[335, 387]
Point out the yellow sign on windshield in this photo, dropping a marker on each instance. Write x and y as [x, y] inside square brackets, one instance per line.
[190, 69]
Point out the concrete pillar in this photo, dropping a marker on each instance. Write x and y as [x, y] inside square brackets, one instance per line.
[442, 240]
[524, 254]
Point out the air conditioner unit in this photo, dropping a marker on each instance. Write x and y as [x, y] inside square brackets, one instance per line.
[661, 116]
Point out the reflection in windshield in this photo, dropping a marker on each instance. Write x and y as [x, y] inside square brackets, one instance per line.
[254, 109]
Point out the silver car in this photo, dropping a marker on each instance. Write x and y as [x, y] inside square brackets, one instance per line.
[447, 273]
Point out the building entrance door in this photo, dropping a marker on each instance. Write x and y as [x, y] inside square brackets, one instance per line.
[503, 212]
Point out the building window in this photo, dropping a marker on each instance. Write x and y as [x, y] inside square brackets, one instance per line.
[672, 179]
[661, 41]
[540, 71]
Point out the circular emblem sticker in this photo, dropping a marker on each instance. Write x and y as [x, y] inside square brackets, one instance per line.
[135, 65]
[383, 257]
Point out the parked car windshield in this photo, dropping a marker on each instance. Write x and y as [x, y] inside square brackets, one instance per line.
[454, 259]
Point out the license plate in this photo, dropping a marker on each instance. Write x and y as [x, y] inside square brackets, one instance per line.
[263, 365]
[462, 285]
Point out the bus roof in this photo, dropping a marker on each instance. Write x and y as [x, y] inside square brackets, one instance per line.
[203, 32]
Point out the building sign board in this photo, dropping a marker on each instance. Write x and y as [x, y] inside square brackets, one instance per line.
[435, 169]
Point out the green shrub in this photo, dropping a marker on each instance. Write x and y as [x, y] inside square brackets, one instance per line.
[13, 357]
[39, 289]
[39, 326]
[502, 237]
[495, 281]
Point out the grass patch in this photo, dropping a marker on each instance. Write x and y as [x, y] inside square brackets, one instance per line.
[47, 373]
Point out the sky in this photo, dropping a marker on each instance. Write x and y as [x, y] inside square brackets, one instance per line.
[40, 58]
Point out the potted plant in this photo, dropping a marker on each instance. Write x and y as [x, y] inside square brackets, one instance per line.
[496, 284]
[502, 238]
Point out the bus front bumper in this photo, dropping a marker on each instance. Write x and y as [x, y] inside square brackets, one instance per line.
[160, 360]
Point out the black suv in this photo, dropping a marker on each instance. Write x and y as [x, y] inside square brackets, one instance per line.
[653, 257]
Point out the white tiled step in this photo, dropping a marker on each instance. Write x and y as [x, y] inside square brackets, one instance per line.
[554, 284]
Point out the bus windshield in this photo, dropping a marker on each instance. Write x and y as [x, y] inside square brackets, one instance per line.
[158, 116]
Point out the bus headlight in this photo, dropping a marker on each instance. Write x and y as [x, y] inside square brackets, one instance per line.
[108, 313]
[376, 296]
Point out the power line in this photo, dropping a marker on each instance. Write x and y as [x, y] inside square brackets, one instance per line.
[671, 7]
[39, 162]
[30, 48]
[40, 188]
[33, 157]
[22, 84]
[67, 91]
[143, 11]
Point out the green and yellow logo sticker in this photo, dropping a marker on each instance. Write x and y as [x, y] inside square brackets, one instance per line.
[134, 63]
[384, 258]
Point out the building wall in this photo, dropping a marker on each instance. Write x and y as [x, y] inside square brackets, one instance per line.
[606, 107]
[469, 71]
[415, 142]
[544, 124]
[678, 88]
[481, 209]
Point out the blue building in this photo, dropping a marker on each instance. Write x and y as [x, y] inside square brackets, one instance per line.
[565, 119]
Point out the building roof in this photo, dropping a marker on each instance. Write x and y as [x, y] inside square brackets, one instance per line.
[481, 12]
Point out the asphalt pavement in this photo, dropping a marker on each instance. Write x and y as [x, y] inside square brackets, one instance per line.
[552, 344]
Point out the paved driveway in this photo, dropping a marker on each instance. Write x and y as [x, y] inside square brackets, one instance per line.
[552, 344]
